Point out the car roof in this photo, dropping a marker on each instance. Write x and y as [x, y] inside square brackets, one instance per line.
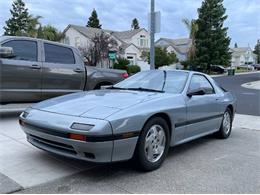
[3, 38]
[186, 71]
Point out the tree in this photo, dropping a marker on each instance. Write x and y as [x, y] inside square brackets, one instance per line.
[212, 42]
[162, 57]
[49, 33]
[93, 20]
[17, 25]
[235, 46]
[257, 51]
[192, 27]
[99, 49]
[33, 24]
[135, 24]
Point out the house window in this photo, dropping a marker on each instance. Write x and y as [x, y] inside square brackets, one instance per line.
[67, 40]
[77, 41]
[143, 42]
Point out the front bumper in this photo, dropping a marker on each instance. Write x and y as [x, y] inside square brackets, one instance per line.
[48, 131]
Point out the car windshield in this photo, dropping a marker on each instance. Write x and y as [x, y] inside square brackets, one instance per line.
[157, 81]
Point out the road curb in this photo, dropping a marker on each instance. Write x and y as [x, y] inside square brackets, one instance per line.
[8, 185]
[252, 85]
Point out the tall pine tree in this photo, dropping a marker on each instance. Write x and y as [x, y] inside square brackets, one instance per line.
[212, 41]
[19, 21]
[257, 51]
[93, 20]
[135, 24]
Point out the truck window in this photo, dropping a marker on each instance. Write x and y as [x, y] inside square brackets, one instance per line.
[58, 54]
[23, 50]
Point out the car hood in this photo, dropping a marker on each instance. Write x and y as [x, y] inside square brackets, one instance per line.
[95, 104]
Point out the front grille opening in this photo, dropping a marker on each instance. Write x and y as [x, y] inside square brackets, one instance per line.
[89, 155]
[54, 145]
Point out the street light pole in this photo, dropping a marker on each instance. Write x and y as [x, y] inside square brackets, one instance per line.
[152, 32]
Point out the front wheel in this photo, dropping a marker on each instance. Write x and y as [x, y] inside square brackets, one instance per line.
[153, 144]
[226, 126]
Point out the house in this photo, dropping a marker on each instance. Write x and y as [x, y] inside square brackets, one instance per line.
[179, 46]
[242, 56]
[130, 43]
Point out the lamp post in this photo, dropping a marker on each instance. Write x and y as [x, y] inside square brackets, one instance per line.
[152, 32]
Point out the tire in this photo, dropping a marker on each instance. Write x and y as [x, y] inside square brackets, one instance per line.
[226, 126]
[155, 129]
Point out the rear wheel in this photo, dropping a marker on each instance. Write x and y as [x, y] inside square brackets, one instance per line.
[226, 126]
[153, 144]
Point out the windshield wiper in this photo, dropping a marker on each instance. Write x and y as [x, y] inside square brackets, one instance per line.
[145, 89]
[112, 87]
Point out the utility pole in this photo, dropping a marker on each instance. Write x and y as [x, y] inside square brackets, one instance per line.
[152, 32]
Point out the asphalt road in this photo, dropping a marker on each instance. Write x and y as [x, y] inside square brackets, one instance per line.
[248, 100]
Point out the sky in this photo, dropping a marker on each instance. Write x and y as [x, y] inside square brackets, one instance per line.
[243, 15]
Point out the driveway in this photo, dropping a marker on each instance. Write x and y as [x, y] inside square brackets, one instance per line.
[207, 165]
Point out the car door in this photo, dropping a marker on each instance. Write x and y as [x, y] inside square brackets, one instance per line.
[63, 73]
[21, 73]
[203, 111]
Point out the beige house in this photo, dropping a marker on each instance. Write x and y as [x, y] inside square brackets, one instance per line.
[242, 56]
[179, 46]
[130, 43]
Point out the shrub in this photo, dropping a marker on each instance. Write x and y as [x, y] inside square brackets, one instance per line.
[121, 64]
[133, 69]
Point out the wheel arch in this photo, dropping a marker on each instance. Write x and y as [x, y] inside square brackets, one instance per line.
[163, 116]
[231, 108]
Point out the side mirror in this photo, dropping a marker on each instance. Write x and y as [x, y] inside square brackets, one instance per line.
[6, 52]
[199, 91]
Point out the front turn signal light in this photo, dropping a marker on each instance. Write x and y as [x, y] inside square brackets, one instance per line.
[77, 137]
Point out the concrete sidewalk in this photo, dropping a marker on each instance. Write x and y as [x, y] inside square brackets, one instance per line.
[252, 85]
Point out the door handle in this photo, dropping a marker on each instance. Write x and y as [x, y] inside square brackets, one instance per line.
[36, 66]
[78, 70]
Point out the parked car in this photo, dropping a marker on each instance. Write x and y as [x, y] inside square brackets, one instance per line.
[218, 69]
[33, 70]
[140, 117]
[256, 66]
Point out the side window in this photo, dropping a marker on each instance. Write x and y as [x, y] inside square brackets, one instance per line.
[23, 50]
[58, 54]
[175, 82]
[200, 81]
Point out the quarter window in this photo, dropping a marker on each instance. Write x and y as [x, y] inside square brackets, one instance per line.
[58, 54]
[200, 81]
[23, 50]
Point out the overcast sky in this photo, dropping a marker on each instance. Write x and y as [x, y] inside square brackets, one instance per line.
[243, 20]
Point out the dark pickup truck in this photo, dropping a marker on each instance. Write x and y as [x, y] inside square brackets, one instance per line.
[32, 70]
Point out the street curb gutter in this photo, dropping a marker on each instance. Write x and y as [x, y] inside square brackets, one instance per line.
[8, 185]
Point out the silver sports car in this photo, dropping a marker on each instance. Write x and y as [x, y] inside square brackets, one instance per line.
[140, 117]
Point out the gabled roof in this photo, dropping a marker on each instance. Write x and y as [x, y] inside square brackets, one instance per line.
[91, 32]
[176, 42]
[181, 45]
[238, 51]
[127, 34]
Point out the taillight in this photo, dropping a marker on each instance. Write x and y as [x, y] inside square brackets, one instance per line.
[125, 75]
